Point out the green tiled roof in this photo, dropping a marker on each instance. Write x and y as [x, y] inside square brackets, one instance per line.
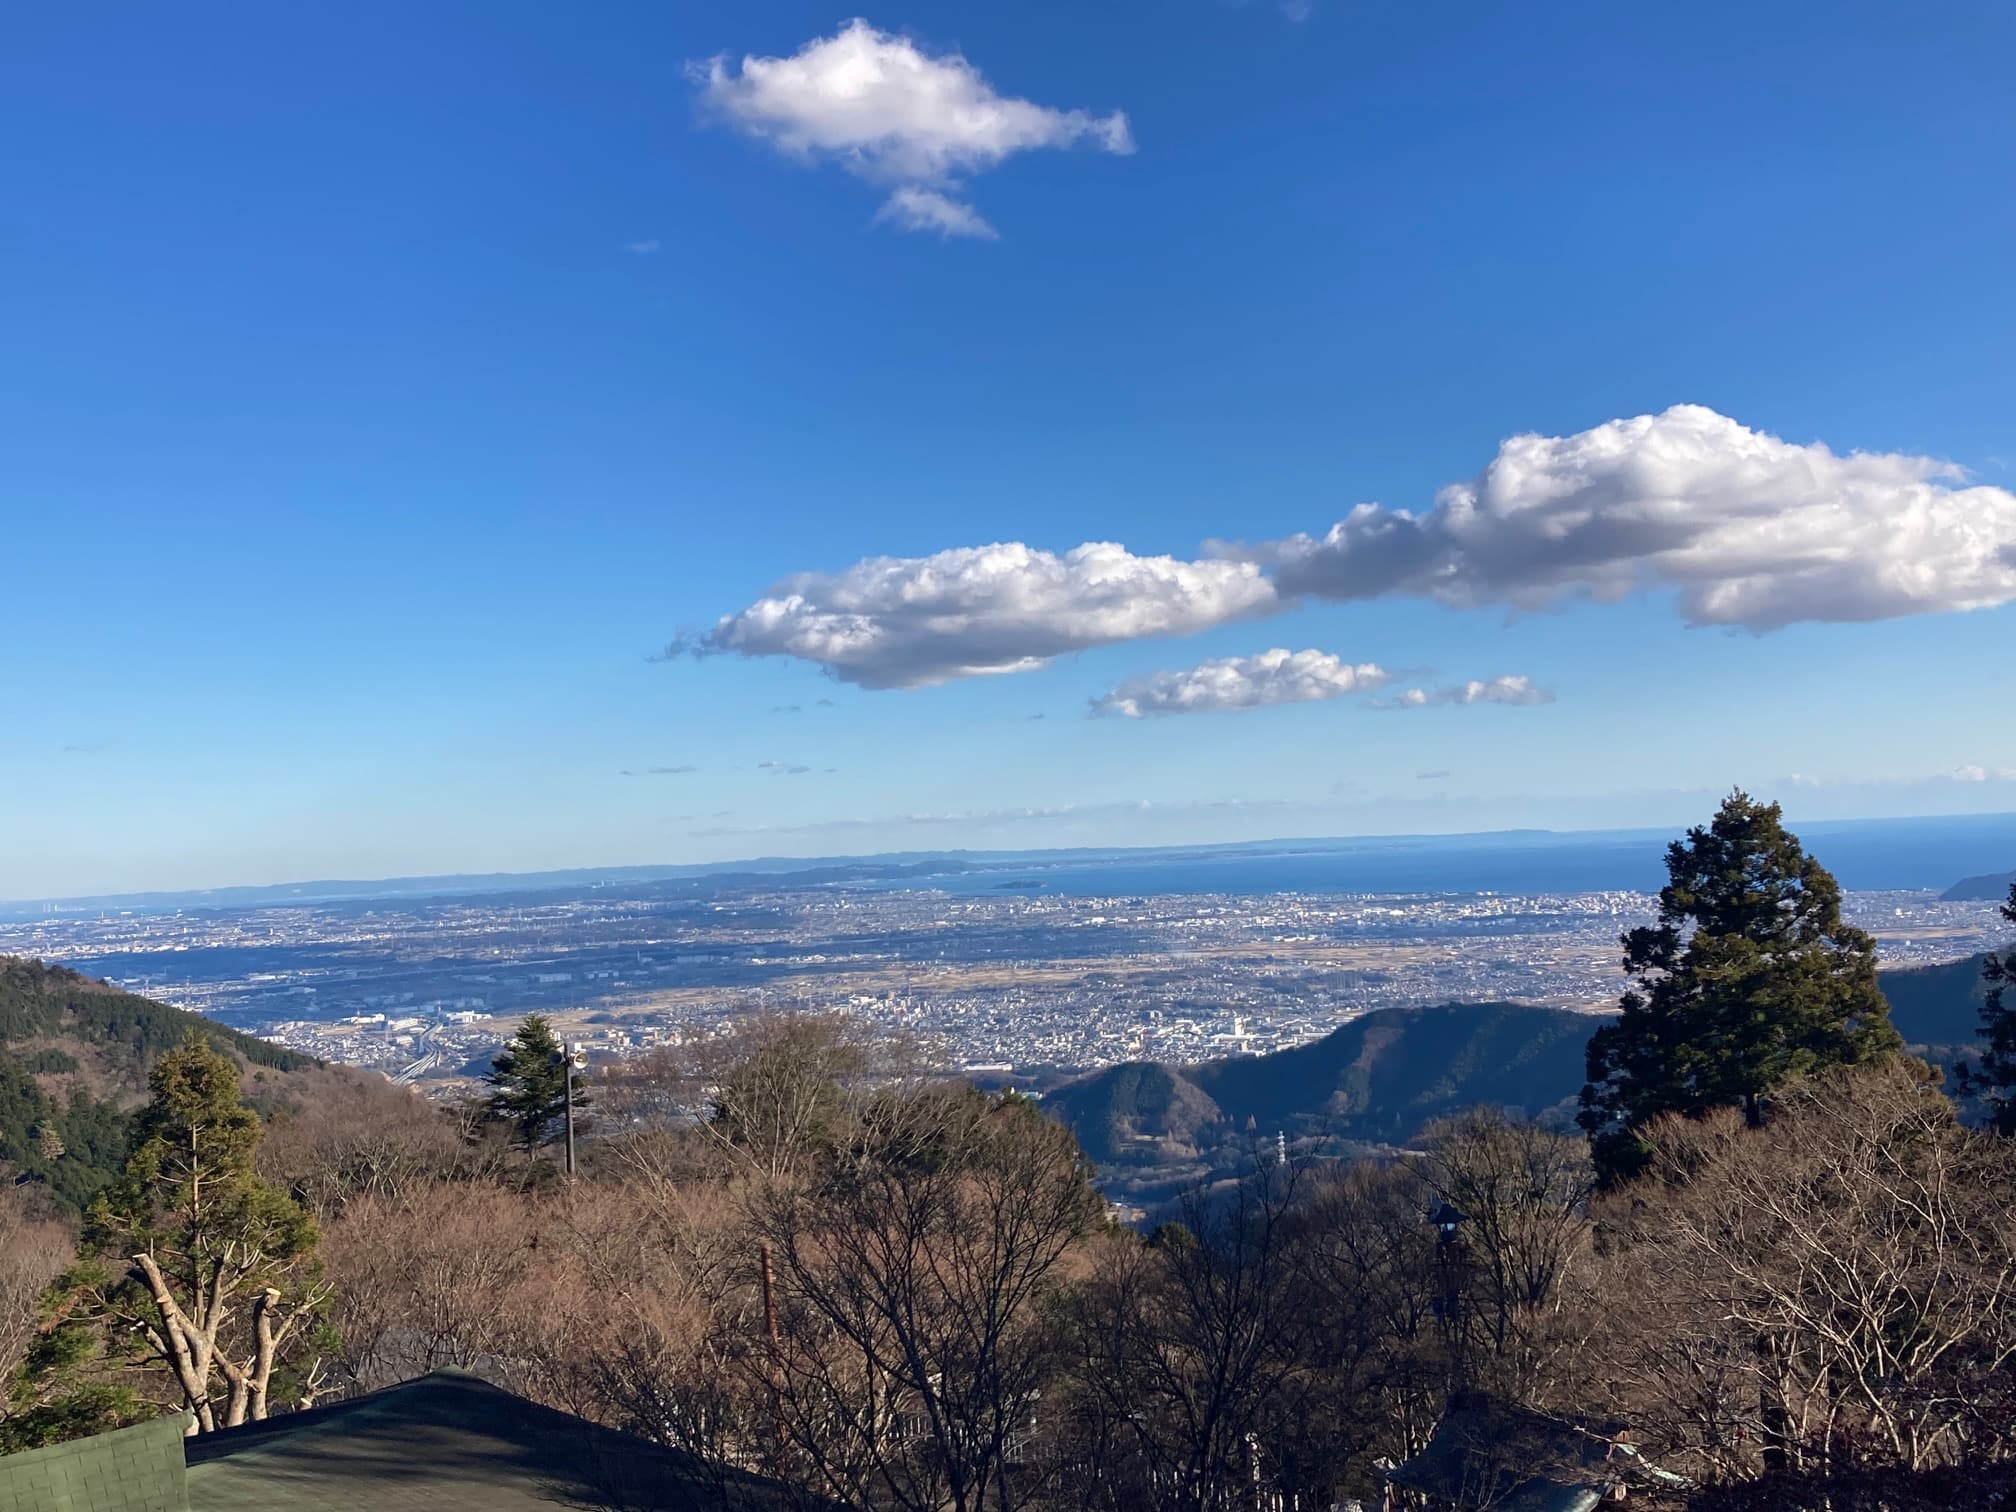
[450, 1442]
[128, 1470]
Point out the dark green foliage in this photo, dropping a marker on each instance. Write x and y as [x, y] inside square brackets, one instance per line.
[194, 1271]
[63, 1389]
[111, 1038]
[38, 1000]
[91, 1136]
[1936, 1005]
[529, 1082]
[1748, 979]
[1387, 1073]
[1996, 1078]
[1382, 1076]
[1113, 1109]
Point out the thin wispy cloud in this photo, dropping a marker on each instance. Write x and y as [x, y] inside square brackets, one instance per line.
[889, 110]
[999, 818]
[1262, 681]
[659, 771]
[783, 768]
[649, 248]
[1519, 690]
[1435, 775]
[915, 208]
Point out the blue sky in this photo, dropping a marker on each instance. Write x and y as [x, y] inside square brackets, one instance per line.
[385, 384]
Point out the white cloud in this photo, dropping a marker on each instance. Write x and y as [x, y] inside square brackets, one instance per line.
[887, 110]
[642, 248]
[1750, 530]
[918, 209]
[1241, 682]
[905, 622]
[1975, 772]
[1499, 690]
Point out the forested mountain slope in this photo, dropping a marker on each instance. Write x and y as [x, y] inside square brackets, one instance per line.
[74, 1057]
[1382, 1076]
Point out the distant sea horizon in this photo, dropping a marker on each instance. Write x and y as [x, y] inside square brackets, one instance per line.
[1904, 854]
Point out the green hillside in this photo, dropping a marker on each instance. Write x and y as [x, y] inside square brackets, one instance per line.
[74, 1057]
[1380, 1077]
[1936, 1006]
[1123, 1111]
[1386, 1073]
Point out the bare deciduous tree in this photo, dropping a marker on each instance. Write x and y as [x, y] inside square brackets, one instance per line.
[1839, 1286]
[913, 1271]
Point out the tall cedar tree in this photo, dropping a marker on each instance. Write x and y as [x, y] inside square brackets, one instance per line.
[530, 1082]
[1748, 979]
[1996, 1078]
[193, 1268]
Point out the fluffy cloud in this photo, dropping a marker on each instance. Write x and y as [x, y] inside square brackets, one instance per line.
[905, 622]
[890, 112]
[1747, 529]
[1975, 772]
[1241, 682]
[1499, 690]
[1750, 530]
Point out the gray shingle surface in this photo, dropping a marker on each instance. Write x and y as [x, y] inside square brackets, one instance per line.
[135, 1469]
[450, 1442]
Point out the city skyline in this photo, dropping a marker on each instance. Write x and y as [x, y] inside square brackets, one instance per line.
[474, 442]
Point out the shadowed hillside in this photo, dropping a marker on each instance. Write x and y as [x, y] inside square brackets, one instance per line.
[1380, 1077]
[1992, 888]
[74, 1057]
[1384, 1075]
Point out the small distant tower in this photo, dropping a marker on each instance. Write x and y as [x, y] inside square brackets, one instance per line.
[1281, 1147]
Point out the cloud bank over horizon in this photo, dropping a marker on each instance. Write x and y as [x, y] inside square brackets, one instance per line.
[882, 107]
[1744, 530]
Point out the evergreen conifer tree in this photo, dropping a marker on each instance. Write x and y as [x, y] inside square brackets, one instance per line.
[192, 1267]
[529, 1083]
[1749, 978]
[1996, 1078]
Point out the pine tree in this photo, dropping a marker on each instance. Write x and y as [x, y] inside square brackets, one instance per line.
[530, 1083]
[192, 1267]
[1996, 1078]
[1749, 978]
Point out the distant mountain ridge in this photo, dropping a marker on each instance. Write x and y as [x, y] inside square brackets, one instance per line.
[1378, 1077]
[1910, 853]
[1991, 888]
[1384, 1075]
